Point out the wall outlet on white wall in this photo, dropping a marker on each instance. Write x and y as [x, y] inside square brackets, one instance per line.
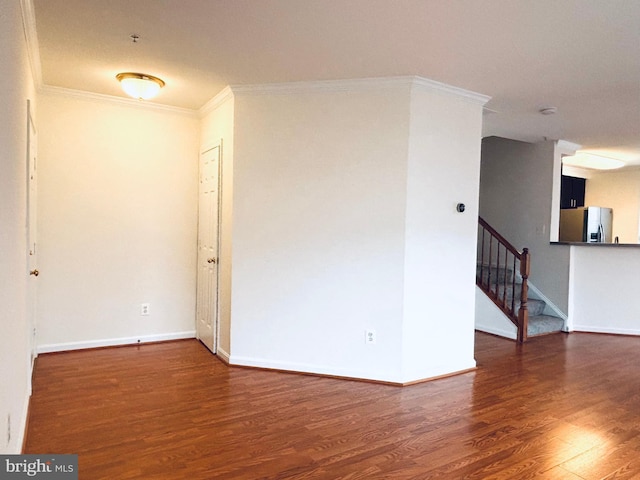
[370, 337]
[144, 309]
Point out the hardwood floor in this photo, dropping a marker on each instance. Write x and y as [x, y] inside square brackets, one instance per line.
[561, 407]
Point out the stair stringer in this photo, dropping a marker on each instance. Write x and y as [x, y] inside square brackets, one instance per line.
[490, 319]
[550, 307]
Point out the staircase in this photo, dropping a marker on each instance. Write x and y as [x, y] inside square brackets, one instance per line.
[502, 274]
[541, 319]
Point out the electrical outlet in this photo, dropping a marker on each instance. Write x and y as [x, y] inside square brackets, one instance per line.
[144, 309]
[370, 337]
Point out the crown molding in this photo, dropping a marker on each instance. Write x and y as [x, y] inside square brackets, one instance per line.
[355, 85]
[31, 37]
[359, 84]
[315, 86]
[225, 94]
[439, 87]
[488, 111]
[99, 97]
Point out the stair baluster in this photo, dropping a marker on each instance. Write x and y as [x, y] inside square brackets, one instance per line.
[523, 313]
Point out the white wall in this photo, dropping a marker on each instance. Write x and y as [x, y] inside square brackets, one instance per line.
[16, 86]
[440, 243]
[517, 182]
[332, 234]
[619, 190]
[117, 222]
[604, 288]
[216, 128]
[490, 319]
[318, 232]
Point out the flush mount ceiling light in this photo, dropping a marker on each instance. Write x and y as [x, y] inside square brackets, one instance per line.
[590, 160]
[140, 85]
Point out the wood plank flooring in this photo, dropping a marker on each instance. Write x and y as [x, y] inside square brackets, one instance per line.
[561, 407]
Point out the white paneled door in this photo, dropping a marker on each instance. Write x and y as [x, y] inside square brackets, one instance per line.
[208, 216]
[32, 223]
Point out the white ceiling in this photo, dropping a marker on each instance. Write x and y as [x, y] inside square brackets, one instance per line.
[581, 56]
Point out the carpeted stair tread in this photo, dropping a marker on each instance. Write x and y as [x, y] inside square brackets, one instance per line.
[494, 275]
[541, 324]
[535, 307]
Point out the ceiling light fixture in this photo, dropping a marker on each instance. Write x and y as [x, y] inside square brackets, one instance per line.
[548, 110]
[140, 85]
[590, 160]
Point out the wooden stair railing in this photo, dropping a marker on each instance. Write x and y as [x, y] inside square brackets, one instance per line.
[496, 275]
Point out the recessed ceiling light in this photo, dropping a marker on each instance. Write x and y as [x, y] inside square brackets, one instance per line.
[140, 85]
[589, 160]
[548, 110]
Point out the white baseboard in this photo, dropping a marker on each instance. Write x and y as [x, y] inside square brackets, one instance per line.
[496, 331]
[312, 369]
[609, 330]
[224, 356]
[386, 377]
[112, 342]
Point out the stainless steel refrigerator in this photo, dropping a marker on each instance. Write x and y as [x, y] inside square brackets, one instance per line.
[586, 224]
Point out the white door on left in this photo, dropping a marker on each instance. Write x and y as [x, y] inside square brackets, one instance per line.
[207, 280]
[32, 224]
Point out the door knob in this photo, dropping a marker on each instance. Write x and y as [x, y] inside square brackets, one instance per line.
[35, 273]
[211, 260]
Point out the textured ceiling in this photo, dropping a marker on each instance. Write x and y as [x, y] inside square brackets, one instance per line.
[581, 56]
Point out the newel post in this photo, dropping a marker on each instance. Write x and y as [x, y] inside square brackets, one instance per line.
[523, 312]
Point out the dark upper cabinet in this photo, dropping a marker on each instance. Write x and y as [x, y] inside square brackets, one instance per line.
[572, 192]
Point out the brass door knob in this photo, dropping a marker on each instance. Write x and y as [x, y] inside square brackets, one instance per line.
[211, 260]
[35, 273]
